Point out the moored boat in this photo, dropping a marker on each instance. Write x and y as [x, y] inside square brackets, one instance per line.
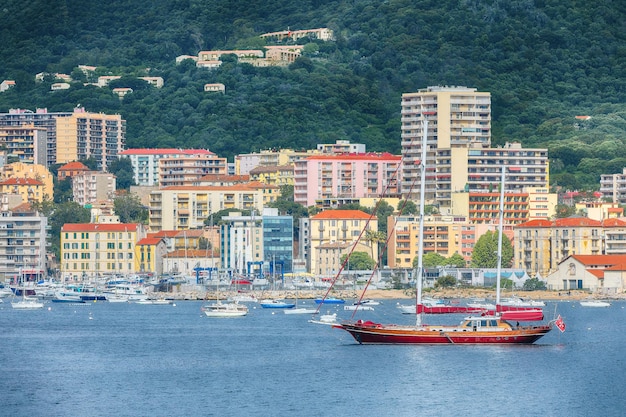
[220, 309]
[329, 300]
[270, 303]
[474, 329]
[594, 303]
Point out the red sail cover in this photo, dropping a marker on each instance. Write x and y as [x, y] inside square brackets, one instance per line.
[523, 315]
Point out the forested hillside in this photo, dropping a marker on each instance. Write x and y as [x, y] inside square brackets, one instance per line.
[544, 62]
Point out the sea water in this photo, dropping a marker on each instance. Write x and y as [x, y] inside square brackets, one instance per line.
[101, 359]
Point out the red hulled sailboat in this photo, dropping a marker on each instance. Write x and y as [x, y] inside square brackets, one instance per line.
[484, 328]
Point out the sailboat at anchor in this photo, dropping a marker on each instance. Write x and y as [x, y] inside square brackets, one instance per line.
[481, 329]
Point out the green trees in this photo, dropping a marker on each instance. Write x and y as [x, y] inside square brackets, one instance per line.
[433, 260]
[130, 210]
[485, 253]
[359, 261]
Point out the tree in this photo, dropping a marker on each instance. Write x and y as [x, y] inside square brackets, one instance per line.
[407, 207]
[383, 211]
[534, 284]
[123, 171]
[360, 261]
[431, 260]
[216, 218]
[563, 210]
[456, 261]
[130, 209]
[446, 281]
[374, 237]
[66, 212]
[63, 190]
[485, 253]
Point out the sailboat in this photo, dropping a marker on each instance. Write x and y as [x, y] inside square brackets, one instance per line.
[300, 310]
[26, 303]
[481, 329]
[228, 309]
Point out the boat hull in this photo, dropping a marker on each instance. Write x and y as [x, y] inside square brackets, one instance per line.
[389, 334]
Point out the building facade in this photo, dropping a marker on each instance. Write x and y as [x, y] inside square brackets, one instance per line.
[613, 187]
[85, 135]
[90, 251]
[350, 176]
[32, 171]
[30, 190]
[333, 233]
[26, 143]
[22, 242]
[179, 208]
[91, 187]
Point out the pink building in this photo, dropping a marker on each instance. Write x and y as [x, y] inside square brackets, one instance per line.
[346, 176]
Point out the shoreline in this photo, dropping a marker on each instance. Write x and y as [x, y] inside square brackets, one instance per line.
[452, 293]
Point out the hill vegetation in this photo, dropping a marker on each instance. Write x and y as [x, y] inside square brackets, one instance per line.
[544, 62]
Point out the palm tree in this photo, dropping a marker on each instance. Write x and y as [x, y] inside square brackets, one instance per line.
[374, 236]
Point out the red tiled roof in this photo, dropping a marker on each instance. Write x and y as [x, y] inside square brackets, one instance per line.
[189, 233]
[166, 151]
[577, 222]
[613, 223]
[99, 227]
[604, 260]
[598, 273]
[234, 187]
[21, 181]
[73, 166]
[149, 241]
[164, 233]
[224, 178]
[536, 223]
[357, 156]
[342, 214]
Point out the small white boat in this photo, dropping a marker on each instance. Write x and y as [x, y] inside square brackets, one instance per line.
[244, 298]
[300, 310]
[407, 309]
[225, 310]
[358, 307]
[27, 304]
[595, 303]
[521, 302]
[327, 319]
[276, 304]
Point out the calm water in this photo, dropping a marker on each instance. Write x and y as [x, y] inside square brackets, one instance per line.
[147, 360]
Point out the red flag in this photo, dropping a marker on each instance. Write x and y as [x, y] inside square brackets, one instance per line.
[560, 323]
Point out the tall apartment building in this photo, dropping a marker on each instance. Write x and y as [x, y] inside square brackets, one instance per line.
[40, 118]
[85, 135]
[613, 187]
[332, 233]
[92, 186]
[91, 250]
[22, 242]
[241, 243]
[341, 146]
[458, 116]
[180, 208]
[26, 143]
[351, 176]
[187, 166]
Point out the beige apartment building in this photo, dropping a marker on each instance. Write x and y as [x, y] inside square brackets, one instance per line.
[91, 187]
[83, 135]
[187, 207]
[186, 167]
[333, 234]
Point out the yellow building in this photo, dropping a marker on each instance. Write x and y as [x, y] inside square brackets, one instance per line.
[539, 245]
[91, 250]
[30, 190]
[149, 253]
[32, 171]
[277, 175]
[444, 235]
[333, 233]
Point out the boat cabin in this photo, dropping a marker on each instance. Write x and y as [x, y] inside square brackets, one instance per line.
[484, 324]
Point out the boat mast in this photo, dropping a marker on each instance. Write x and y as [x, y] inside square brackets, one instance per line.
[500, 227]
[420, 248]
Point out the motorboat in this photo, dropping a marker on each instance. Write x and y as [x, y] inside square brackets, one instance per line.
[359, 307]
[367, 302]
[67, 297]
[271, 303]
[594, 303]
[327, 319]
[27, 303]
[521, 302]
[301, 310]
[329, 300]
[220, 309]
